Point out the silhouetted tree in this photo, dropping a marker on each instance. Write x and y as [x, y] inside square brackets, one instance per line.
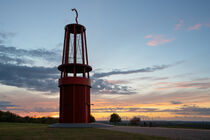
[135, 121]
[115, 118]
[92, 118]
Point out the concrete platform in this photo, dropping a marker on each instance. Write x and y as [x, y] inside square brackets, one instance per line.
[80, 125]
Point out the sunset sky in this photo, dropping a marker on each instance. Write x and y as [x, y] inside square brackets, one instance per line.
[150, 58]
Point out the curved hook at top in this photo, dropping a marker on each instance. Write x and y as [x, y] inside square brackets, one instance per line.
[76, 14]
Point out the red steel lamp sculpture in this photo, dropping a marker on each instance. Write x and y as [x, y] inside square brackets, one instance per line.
[74, 81]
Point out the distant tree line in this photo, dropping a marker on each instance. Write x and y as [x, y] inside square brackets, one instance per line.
[11, 117]
[115, 119]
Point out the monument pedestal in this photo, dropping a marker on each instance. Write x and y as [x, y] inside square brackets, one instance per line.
[79, 125]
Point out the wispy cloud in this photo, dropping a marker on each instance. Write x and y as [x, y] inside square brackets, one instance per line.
[207, 24]
[116, 72]
[148, 36]
[15, 55]
[5, 35]
[103, 86]
[27, 102]
[6, 104]
[179, 25]
[124, 109]
[42, 109]
[190, 110]
[17, 70]
[198, 84]
[45, 79]
[157, 40]
[195, 27]
[175, 102]
[147, 69]
[183, 110]
[198, 26]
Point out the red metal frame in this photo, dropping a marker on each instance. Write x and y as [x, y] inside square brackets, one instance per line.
[74, 90]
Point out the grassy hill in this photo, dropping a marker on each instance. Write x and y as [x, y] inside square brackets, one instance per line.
[33, 131]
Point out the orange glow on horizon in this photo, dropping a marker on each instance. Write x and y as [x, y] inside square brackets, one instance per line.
[55, 115]
[102, 111]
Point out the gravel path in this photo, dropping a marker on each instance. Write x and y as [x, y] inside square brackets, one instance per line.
[175, 133]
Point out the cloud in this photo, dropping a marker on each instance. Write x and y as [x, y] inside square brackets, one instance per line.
[198, 26]
[45, 79]
[124, 109]
[195, 27]
[14, 71]
[5, 59]
[23, 56]
[207, 24]
[148, 36]
[5, 35]
[41, 109]
[157, 40]
[183, 110]
[6, 104]
[190, 110]
[199, 84]
[176, 102]
[102, 86]
[116, 72]
[179, 25]
[34, 78]
[149, 94]
[13, 55]
[16, 68]
[147, 69]
[153, 78]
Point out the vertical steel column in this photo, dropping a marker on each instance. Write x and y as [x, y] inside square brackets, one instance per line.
[85, 104]
[75, 49]
[67, 47]
[74, 103]
[86, 51]
[83, 56]
[60, 103]
[64, 48]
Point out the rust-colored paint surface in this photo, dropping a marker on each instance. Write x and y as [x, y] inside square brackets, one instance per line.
[74, 82]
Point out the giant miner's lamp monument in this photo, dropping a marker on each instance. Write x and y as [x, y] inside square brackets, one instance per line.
[74, 81]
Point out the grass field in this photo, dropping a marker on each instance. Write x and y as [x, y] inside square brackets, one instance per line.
[30, 131]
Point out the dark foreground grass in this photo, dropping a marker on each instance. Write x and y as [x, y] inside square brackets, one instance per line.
[29, 131]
